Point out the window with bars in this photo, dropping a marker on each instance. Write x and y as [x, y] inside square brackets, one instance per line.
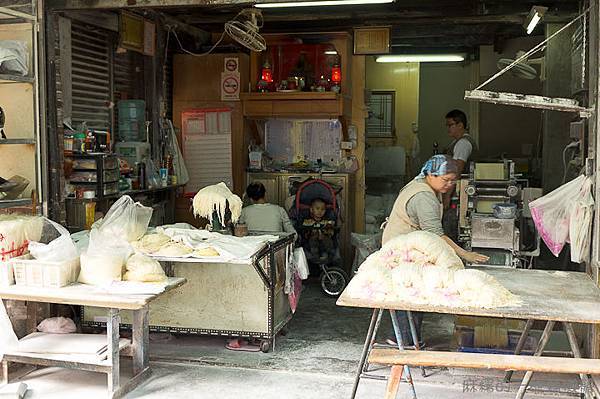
[381, 105]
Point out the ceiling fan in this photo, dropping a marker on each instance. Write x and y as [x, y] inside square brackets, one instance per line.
[523, 69]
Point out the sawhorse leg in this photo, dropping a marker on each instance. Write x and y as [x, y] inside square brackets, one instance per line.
[400, 342]
[520, 345]
[365, 368]
[586, 379]
[366, 349]
[415, 336]
[538, 352]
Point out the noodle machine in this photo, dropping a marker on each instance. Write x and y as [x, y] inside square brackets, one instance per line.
[494, 217]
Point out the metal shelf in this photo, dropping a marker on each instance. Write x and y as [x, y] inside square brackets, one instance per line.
[17, 141]
[15, 78]
[13, 203]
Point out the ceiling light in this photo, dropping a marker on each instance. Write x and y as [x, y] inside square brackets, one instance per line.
[421, 58]
[320, 3]
[330, 52]
[534, 17]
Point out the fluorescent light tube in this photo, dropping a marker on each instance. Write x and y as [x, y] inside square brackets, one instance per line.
[330, 52]
[533, 23]
[421, 58]
[320, 3]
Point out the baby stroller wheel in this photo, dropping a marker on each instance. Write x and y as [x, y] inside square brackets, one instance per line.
[333, 281]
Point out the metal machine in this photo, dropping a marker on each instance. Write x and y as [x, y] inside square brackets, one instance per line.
[494, 216]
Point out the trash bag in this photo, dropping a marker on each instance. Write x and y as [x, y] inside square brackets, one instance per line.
[563, 214]
[58, 249]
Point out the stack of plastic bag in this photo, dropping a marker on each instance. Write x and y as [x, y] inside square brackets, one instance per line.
[109, 243]
[565, 215]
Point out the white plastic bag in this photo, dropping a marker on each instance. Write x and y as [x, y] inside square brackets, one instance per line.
[580, 226]
[125, 221]
[563, 213]
[59, 249]
[101, 268]
[8, 338]
[57, 325]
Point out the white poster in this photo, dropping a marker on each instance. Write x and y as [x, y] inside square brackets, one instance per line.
[230, 86]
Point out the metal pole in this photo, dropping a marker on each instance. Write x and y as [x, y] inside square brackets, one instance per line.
[538, 352]
[415, 336]
[363, 357]
[520, 345]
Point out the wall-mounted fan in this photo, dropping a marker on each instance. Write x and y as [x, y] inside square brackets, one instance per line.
[244, 29]
[524, 68]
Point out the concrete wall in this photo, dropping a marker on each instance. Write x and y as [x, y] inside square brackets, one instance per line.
[556, 124]
[403, 78]
[442, 88]
[508, 130]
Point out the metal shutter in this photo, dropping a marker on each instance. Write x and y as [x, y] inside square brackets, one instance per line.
[91, 77]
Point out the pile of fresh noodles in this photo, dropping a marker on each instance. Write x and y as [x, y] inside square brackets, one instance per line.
[421, 268]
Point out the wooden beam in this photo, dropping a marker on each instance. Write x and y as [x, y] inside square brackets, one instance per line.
[116, 4]
[102, 19]
[201, 35]
[485, 361]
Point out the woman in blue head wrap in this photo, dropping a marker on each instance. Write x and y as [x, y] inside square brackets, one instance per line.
[419, 206]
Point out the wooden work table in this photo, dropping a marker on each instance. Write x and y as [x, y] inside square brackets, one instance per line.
[112, 302]
[554, 297]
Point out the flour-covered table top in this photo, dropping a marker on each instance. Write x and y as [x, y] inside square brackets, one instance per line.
[545, 295]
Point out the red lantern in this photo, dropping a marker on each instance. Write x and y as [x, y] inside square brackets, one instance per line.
[336, 74]
[266, 74]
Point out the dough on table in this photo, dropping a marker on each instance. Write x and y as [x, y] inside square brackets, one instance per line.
[151, 242]
[203, 252]
[173, 250]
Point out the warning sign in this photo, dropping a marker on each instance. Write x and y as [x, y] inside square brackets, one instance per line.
[230, 86]
[231, 64]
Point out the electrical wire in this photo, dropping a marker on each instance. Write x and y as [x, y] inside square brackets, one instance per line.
[195, 54]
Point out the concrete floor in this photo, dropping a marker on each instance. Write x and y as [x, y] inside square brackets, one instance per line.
[316, 359]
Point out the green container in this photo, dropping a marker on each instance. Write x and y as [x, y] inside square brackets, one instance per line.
[132, 118]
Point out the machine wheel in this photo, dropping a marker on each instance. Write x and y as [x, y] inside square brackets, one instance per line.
[333, 281]
[265, 346]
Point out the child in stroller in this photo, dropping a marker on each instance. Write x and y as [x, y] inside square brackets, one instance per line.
[316, 217]
[319, 232]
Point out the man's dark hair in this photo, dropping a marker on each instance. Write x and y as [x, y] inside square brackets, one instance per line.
[256, 191]
[457, 116]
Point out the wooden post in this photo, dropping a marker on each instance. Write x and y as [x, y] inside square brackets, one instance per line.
[391, 390]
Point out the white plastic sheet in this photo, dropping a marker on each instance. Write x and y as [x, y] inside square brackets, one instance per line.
[59, 249]
[14, 56]
[8, 338]
[565, 215]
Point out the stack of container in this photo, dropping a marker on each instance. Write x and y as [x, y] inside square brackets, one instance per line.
[132, 117]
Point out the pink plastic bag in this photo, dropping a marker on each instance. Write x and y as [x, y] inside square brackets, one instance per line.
[553, 213]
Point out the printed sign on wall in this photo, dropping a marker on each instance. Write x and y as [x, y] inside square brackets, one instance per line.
[230, 86]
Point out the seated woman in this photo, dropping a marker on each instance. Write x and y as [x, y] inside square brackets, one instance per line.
[262, 216]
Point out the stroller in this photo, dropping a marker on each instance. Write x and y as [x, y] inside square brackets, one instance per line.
[332, 277]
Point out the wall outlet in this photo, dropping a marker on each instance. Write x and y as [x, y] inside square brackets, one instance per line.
[347, 145]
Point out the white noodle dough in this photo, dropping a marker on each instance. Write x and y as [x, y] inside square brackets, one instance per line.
[217, 197]
[173, 250]
[151, 243]
[143, 269]
[205, 252]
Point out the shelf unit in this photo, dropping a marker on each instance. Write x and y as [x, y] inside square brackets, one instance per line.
[21, 100]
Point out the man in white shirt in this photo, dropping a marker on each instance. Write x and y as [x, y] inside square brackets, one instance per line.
[462, 148]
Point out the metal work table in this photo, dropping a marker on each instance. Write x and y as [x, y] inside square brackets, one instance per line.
[79, 294]
[554, 297]
[241, 298]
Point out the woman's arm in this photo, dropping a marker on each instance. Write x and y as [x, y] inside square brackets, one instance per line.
[471, 257]
[288, 227]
